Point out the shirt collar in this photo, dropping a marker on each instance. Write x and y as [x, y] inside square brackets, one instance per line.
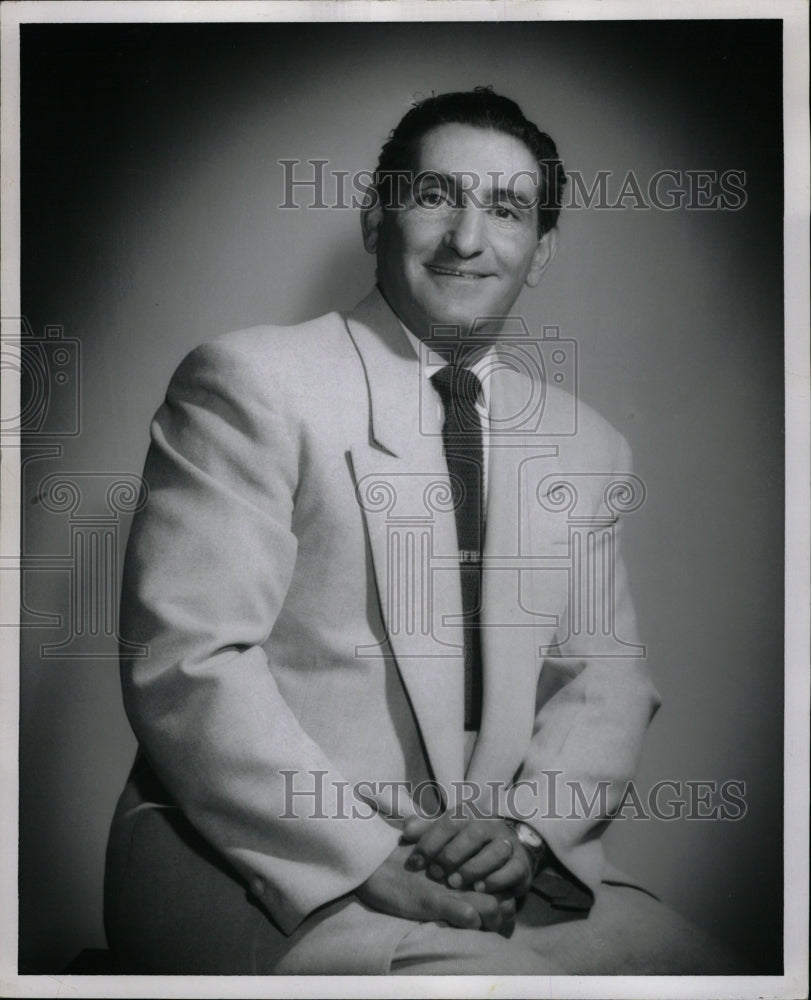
[434, 361]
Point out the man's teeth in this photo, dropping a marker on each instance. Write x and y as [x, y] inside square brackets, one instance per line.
[458, 274]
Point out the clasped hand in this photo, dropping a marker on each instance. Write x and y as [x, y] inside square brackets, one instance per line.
[483, 853]
[465, 872]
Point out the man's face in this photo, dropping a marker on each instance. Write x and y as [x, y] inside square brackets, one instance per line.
[463, 243]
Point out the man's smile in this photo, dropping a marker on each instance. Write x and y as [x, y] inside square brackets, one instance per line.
[453, 272]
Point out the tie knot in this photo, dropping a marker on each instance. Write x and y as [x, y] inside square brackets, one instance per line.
[457, 385]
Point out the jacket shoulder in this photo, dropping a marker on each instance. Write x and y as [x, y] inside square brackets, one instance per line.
[585, 436]
[274, 345]
[263, 356]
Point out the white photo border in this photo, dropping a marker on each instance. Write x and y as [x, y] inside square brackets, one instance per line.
[794, 14]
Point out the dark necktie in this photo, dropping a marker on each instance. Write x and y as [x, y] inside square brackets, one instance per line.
[462, 437]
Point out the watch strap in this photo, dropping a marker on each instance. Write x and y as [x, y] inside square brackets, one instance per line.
[532, 842]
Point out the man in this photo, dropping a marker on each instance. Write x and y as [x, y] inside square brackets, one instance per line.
[368, 656]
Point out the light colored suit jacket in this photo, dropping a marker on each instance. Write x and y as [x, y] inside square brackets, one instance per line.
[294, 576]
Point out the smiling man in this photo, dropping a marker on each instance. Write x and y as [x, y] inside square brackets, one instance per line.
[468, 236]
[362, 674]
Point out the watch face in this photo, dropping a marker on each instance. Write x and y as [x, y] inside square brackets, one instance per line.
[529, 837]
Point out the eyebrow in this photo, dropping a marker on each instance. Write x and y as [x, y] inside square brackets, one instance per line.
[499, 194]
[504, 194]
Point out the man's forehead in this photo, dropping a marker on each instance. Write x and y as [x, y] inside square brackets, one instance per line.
[480, 159]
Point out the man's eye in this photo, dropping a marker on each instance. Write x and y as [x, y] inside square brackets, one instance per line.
[431, 198]
[504, 212]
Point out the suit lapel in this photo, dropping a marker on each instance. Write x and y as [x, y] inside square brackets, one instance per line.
[402, 487]
[403, 490]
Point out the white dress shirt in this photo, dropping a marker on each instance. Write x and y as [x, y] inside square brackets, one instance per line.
[480, 367]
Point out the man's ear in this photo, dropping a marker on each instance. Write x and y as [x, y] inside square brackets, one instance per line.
[544, 253]
[371, 217]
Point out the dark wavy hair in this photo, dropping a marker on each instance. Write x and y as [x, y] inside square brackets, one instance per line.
[481, 108]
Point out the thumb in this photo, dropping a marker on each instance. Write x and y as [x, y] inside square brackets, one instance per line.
[457, 912]
[415, 827]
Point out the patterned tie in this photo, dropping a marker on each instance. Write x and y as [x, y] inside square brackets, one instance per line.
[462, 438]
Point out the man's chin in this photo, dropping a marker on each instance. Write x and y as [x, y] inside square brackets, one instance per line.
[464, 326]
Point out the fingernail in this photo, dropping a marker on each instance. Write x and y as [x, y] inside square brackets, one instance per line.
[455, 880]
[415, 862]
[435, 871]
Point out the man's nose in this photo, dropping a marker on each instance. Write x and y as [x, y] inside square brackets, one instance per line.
[465, 231]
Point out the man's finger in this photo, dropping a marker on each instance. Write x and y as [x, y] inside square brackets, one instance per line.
[430, 844]
[470, 839]
[466, 910]
[458, 912]
[493, 856]
[514, 875]
[414, 828]
[507, 909]
[488, 908]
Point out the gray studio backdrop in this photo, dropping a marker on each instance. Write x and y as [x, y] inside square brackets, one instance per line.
[151, 186]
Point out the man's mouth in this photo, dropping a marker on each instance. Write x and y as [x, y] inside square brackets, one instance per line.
[453, 272]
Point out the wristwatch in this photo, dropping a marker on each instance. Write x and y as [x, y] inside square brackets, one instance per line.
[531, 841]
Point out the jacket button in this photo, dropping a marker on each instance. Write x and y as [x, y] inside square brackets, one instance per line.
[258, 886]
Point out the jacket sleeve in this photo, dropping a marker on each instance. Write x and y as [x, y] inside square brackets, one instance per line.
[592, 711]
[209, 562]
